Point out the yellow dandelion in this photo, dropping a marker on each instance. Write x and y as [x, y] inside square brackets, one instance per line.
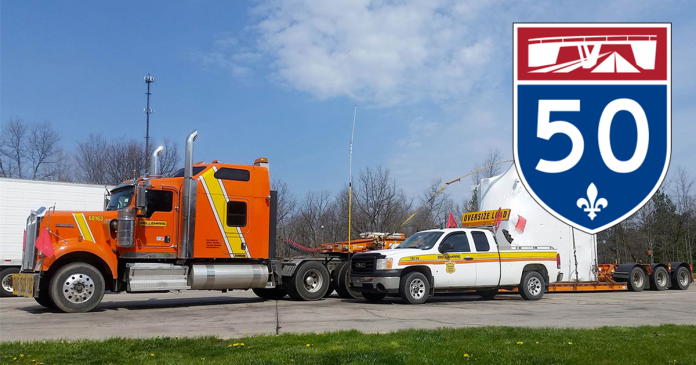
[537, 342]
[14, 358]
[520, 343]
[235, 344]
[466, 355]
[21, 355]
[152, 354]
[241, 344]
[308, 345]
[570, 343]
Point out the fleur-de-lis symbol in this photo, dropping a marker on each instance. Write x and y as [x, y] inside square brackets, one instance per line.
[591, 206]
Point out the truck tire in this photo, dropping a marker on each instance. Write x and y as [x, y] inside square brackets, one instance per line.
[6, 281]
[340, 279]
[77, 287]
[681, 278]
[374, 297]
[310, 281]
[488, 293]
[270, 293]
[659, 280]
[636, 279]
[414, 288]
[532, 286]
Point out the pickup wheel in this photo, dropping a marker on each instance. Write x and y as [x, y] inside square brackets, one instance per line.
[6, 281]
[77, 287]
[487, 294]
[309, 282]
[340, 281]
[659, 280]
[636, 279]
[270, 293]
[532, 286]
[374, 297]
[681, 278]
[414, 288]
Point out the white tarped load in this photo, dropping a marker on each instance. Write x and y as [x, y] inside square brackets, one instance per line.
[531, 225]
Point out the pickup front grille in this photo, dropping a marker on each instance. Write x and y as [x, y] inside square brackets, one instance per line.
[363, 265]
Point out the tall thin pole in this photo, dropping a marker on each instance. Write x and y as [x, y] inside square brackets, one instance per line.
[148, 80]
[350, 179]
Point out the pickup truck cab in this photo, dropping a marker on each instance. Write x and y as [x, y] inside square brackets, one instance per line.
[453, 260]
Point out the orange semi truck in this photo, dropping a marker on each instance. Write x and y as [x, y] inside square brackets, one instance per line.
[209, 226]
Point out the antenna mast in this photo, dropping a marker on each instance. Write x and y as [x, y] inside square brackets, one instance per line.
[350, 178]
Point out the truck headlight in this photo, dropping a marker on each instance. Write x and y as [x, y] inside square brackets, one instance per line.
[384, 264]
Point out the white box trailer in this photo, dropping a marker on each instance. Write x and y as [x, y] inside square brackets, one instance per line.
[19, 197]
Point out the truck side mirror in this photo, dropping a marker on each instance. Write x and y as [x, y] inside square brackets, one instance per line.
[445, 247]
[140, 198]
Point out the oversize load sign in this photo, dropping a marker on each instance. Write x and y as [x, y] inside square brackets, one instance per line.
[592, 117]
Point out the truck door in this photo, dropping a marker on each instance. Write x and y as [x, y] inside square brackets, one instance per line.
[459, 268]
[158, 227]
[487, 261]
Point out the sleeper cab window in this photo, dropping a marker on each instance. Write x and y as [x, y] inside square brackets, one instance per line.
[236, 214]
[480, 241]
[227, 173]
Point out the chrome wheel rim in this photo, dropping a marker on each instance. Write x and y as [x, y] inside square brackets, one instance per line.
[417, 288]
[661, 279]
[7, 283]
[78, 288]
[638, 279]
[534, 286]
[313, 280]
[683, 277]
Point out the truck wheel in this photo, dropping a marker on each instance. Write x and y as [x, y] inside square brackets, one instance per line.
[374, 297]
[309, 282]
[6, 281]
[270, 293]
[636, 279]
[414, 288]
[341, 283]
[532, 286]
[659, 280]
[681, 278]
[77, 287]
[487, 294]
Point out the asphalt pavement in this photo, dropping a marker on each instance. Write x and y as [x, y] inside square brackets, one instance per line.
[239, 313]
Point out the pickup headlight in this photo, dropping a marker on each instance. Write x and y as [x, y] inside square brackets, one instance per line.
[384, 264]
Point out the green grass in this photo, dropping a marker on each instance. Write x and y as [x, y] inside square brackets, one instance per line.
[668, 344]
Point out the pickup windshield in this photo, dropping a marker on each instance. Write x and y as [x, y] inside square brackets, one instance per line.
[422, 240]
[120, 198]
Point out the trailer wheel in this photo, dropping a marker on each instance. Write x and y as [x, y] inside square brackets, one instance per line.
[270, 293]
[659, 280]
[636, 279]
[487, 294]
[681, 278]
[77, 287]
[309, 282]
[340, 279]
[374, 297]
[414, 288]
[532, 286]
[6, 281]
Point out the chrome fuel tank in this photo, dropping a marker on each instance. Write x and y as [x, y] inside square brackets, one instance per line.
[228, 276]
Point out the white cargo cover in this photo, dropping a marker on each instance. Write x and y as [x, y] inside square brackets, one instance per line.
[19, 197]
[506, 191]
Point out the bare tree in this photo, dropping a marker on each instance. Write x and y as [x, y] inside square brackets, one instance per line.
[493, 156]
[13, 147]
[30, 150]
[170, 159]
[42, 150]
[433, 212]
[91, 157]
[380, 204]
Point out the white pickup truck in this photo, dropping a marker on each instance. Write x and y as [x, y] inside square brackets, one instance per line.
[453, 260]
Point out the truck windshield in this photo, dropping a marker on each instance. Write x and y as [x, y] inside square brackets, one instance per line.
[120, 198]
[421, 240]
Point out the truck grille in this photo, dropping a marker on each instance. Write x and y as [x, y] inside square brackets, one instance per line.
[32, 232]
[363, 265]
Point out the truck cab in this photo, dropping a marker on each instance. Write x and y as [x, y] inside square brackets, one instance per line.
[453, 260]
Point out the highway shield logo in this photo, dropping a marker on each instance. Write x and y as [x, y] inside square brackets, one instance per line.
[592, 117]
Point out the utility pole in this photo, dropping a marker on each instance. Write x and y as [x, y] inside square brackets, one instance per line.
[148, 80]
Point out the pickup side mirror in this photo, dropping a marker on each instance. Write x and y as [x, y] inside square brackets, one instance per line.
[445, 247]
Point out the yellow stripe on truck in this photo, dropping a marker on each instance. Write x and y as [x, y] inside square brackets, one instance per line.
[83, 227]
[478, 257]
[216, 197]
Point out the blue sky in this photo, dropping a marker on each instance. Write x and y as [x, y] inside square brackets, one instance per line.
[432, 79]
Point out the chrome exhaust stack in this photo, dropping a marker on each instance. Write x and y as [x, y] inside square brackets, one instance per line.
[154, 161]
[188, 213]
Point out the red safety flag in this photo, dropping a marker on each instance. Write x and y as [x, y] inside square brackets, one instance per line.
[43, 243]
[451, 222]
[521, 223]
[498, 218]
